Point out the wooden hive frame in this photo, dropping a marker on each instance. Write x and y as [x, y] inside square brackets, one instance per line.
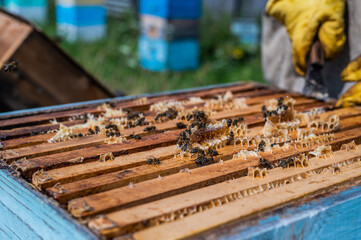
[123, 195]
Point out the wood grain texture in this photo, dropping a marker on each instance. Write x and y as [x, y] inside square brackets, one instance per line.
[131, 219]
[125, 195]
[269, 199]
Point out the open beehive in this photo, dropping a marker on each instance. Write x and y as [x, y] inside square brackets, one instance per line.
[176, 165]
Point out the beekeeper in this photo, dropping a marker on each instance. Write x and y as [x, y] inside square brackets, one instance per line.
[289, 30]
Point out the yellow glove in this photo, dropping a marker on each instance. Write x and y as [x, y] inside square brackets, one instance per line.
[351, 97]
[304, 19]
[350, 74]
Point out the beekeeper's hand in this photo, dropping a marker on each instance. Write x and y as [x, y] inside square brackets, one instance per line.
[350, 74]
[306, 18]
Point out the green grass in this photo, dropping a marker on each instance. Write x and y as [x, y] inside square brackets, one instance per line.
[114, 60]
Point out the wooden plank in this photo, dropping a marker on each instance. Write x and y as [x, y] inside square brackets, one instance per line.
[19, 132]
[28, 167]
[48, 148]
[91, 169]
[143, 216]
[174, 184]
[23, 131]
[33, 140]
[117, 179]
[128, 104]
[251, 205]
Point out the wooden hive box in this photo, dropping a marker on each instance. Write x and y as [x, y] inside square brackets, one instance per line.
[75, 183]
[169, 34]
[45, 75]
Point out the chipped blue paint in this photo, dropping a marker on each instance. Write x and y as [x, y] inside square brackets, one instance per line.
[334, 217]
[25, 214]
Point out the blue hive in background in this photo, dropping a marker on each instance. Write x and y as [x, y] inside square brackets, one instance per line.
[34, 10]
[169, 34]
[81, 19]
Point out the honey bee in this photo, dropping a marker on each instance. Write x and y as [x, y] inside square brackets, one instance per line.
[203, 160]
[136, 137]
[212, 153]
[287, 162]
[229, 122]
[181, 125]
[148, 129]
[261, 146]
[264, 163]
[237, 121]
[153, 160]
[10, 67]
[198, 151]
[230, 139]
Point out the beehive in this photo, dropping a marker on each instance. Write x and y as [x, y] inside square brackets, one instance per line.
[107, 183]
[35, 10]
[169, 34]
[83, 20]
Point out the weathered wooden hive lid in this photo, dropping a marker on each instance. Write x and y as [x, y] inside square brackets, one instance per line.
[44, 69]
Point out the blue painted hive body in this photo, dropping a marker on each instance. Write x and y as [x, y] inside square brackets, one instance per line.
[35, 10]
[169, 34]
[81, 19]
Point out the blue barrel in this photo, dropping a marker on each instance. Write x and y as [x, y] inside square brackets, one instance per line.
[83, 20]
[33, 10]
[169, 34]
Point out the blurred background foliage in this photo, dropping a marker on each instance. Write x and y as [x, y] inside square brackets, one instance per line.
[114, 60]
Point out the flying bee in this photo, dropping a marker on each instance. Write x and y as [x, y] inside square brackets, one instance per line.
[148, 129]
[10, 67]
[264, 163]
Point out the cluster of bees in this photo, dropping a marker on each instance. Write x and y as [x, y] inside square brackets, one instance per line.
[136, 119]
[201, 129]
[278, 110]
[169, 114]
